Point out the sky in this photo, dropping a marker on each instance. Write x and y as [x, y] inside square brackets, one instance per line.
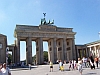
[81, 15]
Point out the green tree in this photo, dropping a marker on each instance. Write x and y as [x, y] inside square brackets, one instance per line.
[45, 54]
[34, 57]
[9, 59]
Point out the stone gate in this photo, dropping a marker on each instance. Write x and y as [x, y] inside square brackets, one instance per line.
[61, 45]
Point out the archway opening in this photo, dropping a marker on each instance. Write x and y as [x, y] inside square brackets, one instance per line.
[45, 51]
[23, 51]
[33, 52]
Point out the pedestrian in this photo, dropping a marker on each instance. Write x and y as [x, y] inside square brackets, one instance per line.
[92, 62]
[96, 61]
[62, 67]
[72, 65]
[5, 70]
[60, 64]
[51, 66]
[80, 68]
[70, 62]
[29, 66]
[0, 69]
[75, 65]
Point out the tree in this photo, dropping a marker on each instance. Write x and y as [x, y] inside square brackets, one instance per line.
[9, 58]
[34, 57]
[45, 54]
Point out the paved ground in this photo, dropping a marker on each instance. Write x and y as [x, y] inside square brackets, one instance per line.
[44, 70]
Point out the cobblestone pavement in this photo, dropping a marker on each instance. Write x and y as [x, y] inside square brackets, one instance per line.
[44, 70]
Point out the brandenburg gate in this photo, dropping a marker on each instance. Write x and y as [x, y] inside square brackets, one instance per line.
[61, 44]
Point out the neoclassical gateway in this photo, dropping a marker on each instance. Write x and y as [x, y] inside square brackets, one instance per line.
[61, 43]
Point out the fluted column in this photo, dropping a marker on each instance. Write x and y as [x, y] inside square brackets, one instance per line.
[18, 49]
[55, 49]
[37, 52]
[82, 52]
[41, 51]
[64, 48]
[95, 50]
[73, 49]
[52, 52]
[86, 52]
[90, 52]
[28, 51]
[62, 51]
[13, 53]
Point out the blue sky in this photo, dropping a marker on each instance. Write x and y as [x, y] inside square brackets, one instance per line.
[81, 15]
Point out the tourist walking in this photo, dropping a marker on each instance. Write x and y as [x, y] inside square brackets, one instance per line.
[5, 70]
[72, 65]
[70, 62]
[92, 62]
[96, 61]
[60, 64]
[84, 59]
[80, 68]
[51, 66]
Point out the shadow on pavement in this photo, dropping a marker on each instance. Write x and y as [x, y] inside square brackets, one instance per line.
[22, 68]
[67, 70]
[90, 74]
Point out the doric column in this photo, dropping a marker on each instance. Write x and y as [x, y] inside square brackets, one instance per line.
[13, 56]
[51, 51]
[37, 52]
[82, 52]
[28, 50]
[90, 52]
[95, 50]
[86, 52]
[55, 50]
[64, 48]
[62, 51]
[15, 52]
[73, 49]
[18, 49]
[41, 50]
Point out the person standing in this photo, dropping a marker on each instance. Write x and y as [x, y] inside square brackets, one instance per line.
[84, 61]
[5, 70]
[96, 61]
[29, 66]
[92, 62]
[80, 66]
[60, 64]
[70, 62]
[51, 66]
[72, 65]
[0, 69]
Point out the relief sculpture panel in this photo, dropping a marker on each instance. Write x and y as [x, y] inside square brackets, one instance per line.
[47, 28]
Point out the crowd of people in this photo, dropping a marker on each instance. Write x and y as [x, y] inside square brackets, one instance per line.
[4, 70]
[90, 62]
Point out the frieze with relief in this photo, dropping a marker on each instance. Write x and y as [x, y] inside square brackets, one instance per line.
[70, 36]
[47, 28]
[39, 34]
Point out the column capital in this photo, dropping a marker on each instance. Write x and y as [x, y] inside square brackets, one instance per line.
[18, 38]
